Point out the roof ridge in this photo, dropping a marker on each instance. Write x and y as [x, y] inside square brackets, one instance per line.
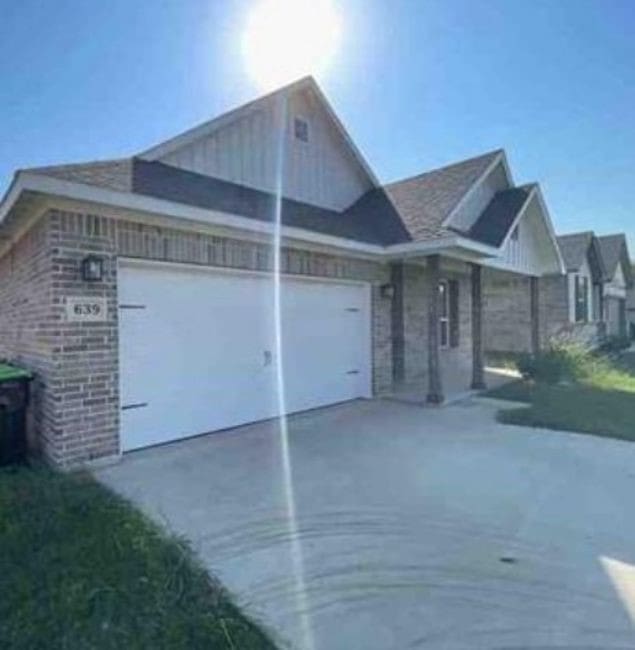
[444, 167]
[577, 234]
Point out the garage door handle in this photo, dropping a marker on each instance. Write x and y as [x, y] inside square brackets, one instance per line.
[353, 372]
[129, 407]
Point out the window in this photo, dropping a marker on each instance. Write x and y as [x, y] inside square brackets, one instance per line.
[444, 314]
[581, 299]
[301, 129]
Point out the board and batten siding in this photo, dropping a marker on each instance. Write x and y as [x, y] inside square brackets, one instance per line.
[531, 252]
[321, 171]
[479, 198]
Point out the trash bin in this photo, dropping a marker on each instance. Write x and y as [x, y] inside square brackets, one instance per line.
[14, 400]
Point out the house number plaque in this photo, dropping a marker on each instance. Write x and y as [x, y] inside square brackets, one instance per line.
[91, 310]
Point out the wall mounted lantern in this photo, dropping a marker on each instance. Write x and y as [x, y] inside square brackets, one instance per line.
[92, 268]
[387, 291]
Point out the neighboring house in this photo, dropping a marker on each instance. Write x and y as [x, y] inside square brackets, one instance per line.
[618, 280]
[574, 303]
[142, 292]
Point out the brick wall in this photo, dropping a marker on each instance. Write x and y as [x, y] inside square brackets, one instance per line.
[77, 400]
[507, 316]
[26, 328]
[85, 382]
[506, 312]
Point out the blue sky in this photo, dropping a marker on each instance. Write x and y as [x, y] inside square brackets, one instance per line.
[417, 83]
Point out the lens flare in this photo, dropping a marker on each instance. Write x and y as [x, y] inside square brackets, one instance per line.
[288, 39]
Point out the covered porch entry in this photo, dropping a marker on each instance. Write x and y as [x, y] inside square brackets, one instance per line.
[438, 329]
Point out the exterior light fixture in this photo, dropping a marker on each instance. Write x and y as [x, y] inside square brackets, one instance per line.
[92, 268]
[387, 291]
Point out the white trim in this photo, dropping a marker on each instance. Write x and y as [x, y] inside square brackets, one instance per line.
[550, 229]
[446, 283]
[205, 129]
[519, 216]
[162, 208]
[490, 168]
[66, 189]
[439, 245]
[162, 212]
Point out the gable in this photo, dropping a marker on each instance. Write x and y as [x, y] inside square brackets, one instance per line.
[500, 214]
[243, 149]
[618, 280]
[426, 202]
[468, 212]
[530, 245]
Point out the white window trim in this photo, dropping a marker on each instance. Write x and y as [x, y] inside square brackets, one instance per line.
[445, 319]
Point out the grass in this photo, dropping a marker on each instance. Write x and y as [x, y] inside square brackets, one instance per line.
[81, 569]
[598, 399]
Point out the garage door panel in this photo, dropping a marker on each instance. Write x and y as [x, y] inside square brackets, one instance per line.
[200, 355]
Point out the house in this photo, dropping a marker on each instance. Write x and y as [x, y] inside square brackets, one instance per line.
[618, 280]
[143, 291]
[574, 303]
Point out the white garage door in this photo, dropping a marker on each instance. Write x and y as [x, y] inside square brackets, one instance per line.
[197, 349]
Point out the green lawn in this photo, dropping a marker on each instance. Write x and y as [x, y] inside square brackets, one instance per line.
[599, 399]
[81, 569]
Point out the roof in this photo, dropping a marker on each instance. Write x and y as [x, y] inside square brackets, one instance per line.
[500, 215]
[110, 174]
[412, 209]
[425, 201]
[574, 249]
[378, 226]
[614, 250]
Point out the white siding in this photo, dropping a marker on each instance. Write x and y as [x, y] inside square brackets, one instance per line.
[480, 197]
[583, 271]
[321, 171]
[617, 286]
[532, 252]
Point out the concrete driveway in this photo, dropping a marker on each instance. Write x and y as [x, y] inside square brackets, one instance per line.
[413, 528]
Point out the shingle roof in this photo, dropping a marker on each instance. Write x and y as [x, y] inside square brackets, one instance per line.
[371, 219]
[379, 226]
[426, 200]
[614, 250]
[498, 217]
[110, 174]
[574, 248]
[412, 209]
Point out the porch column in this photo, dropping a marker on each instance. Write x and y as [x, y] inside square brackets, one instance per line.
[435, 388]
[478, 365]
[397, 323]
[534, 292]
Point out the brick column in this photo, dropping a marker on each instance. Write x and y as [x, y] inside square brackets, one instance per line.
[478, 365]
[397, 323]
[534, 289]
[435, 387]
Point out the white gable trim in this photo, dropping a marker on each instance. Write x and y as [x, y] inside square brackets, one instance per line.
[500, 158]
[550, 229]
[206, 129]
[519, 216]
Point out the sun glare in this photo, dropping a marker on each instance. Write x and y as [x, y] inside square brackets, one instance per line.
[288, 39]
